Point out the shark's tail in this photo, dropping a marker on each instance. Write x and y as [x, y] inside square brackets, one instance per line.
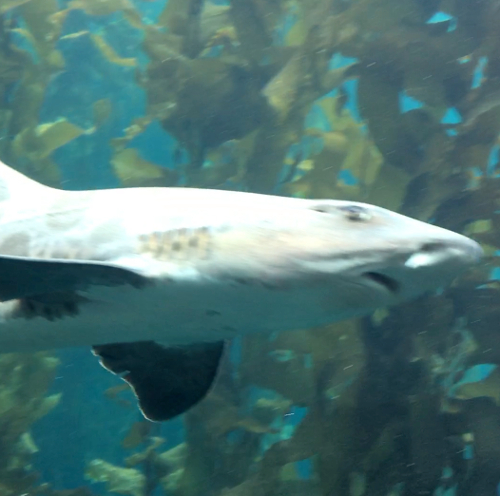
[13, 184]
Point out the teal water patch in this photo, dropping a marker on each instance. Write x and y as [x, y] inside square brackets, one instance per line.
[317, 119]
[347, 177]
[350, 87]
[479, 72]
[452, 116]
[156, 145]
[493, 159]
[444, 17]
[407, 102]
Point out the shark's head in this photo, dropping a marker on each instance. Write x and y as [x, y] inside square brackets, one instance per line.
[391, 256]
[363, 256]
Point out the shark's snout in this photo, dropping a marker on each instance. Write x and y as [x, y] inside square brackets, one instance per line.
[462, 247]
[430, 265]
[453, 248]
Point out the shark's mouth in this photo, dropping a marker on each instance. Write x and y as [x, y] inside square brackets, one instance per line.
[386, 282]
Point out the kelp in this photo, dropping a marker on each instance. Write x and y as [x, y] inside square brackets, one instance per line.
[24, 383]
[109, 53]
[31, 143]
[132, 170]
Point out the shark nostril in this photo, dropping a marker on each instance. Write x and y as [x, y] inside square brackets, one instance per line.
[431, 247]
[387, 282]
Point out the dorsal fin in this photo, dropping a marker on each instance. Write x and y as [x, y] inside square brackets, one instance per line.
[14, 184]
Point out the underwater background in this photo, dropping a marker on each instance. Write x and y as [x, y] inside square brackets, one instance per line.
[390, 102]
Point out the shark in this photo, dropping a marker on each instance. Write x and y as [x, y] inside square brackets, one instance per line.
[156, 281]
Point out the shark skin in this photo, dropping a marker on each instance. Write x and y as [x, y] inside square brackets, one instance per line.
[157, 279]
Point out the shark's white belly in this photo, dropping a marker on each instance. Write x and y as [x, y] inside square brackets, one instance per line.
[177, 314]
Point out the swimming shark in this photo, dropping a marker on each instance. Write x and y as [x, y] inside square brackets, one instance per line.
[157, 280]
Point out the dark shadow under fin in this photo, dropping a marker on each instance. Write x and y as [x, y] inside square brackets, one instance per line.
[23, 277]
[51, 306]
[166, 381]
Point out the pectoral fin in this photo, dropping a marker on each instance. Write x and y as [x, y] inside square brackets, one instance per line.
[25, 277]
[166, 381]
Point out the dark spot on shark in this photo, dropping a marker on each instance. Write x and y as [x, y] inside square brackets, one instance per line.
[355, 213]
[432, 247]
[352, 212]
[177, 243]
[323, 209]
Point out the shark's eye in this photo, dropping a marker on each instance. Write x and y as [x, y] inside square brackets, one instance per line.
[356, 213]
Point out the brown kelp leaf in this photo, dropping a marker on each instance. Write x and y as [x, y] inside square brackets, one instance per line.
[138, 433]
[100, 7]
[483, 429]
[489, 387]
[101, 110]
[48, 137]
[428, 438]
[215, 23]
[389, 188]
[132, 170]
[38, 17]
[113, 393]
[107, 7]
[253, 25]
[57, 19]
[348, 149]
[306, 14]
[277, 366]
[6, 5]
[297, 34]
[206, 102]
[148, 454]
[299, 82]
[378, 94]
[134, 18]
[222, 164]
[35, 145]
[252, 425]
[77, 34]
[160, 45]
[281, 92]
[137, 127]
[174, 16]
[128, 481]
[109, 53]
[335, 77]
[26, 34]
